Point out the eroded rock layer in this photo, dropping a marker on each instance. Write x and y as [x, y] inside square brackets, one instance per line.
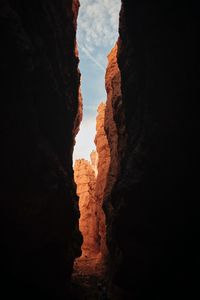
[114, 124]
[91, 178]
[103, 151]
[85, 178]
[40, 114]
[112, 82]
[94, 161]
[152, 244]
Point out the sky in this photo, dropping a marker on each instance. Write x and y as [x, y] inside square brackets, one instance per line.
[97, 34]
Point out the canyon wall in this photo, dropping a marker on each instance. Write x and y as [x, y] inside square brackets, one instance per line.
[112, 80]
[91, 180]
[154, 220]
[94, 161]
[40, 115]
[103, 151]
[114, 124]
[85, 178]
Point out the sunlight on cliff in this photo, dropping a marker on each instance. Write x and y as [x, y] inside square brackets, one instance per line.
[96, 35]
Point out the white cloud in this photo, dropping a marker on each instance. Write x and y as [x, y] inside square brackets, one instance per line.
[85, 139]
[98, 24]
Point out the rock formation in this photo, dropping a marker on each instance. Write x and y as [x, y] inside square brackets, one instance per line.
[150, 224]
[39, 119]
[94, 161]
[85, 178]
[113, 96]
[103, 166]
[91, 181]
[114, 126]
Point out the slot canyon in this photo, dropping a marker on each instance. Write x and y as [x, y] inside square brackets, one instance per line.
[129, 217]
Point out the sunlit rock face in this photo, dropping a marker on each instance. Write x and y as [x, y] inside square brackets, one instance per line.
[94, 161]
[91, 178]
[150, 223]
[103, 151]
[114, 124]
[113, 96]
[85, 178]
[40, 104]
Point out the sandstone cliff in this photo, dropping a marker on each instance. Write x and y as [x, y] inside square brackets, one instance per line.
[85, 178]
[103, 151]
[94, 161]
[39, 92]
[114, 124]
[113, 86]
[157, 58]
[91, 180]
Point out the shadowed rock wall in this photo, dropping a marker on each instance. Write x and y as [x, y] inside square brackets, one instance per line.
[155, 218]
[40, 98]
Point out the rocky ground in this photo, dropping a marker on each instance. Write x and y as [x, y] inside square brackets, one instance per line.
[89, 273]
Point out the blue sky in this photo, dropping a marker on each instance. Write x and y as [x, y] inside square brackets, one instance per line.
[96, 35]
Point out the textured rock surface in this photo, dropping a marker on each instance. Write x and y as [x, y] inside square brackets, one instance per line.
[94, 161]
[153, 230]
[85, 178]
[114, 126]
[113, 95]
[39, 92]
[103, 151]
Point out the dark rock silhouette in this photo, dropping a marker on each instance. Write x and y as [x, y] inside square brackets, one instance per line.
[40, 115]
[155, 212]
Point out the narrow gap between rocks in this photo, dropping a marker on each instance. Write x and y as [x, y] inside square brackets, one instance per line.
[91, 167]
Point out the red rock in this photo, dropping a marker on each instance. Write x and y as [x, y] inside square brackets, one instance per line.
[85, 178]
[103, 151]
[91, 182]
[114, 126]
[94, 161]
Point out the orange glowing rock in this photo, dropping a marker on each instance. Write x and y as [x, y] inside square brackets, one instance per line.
[114, 126]
[91, 178]
[103, 167]
[85, 178]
